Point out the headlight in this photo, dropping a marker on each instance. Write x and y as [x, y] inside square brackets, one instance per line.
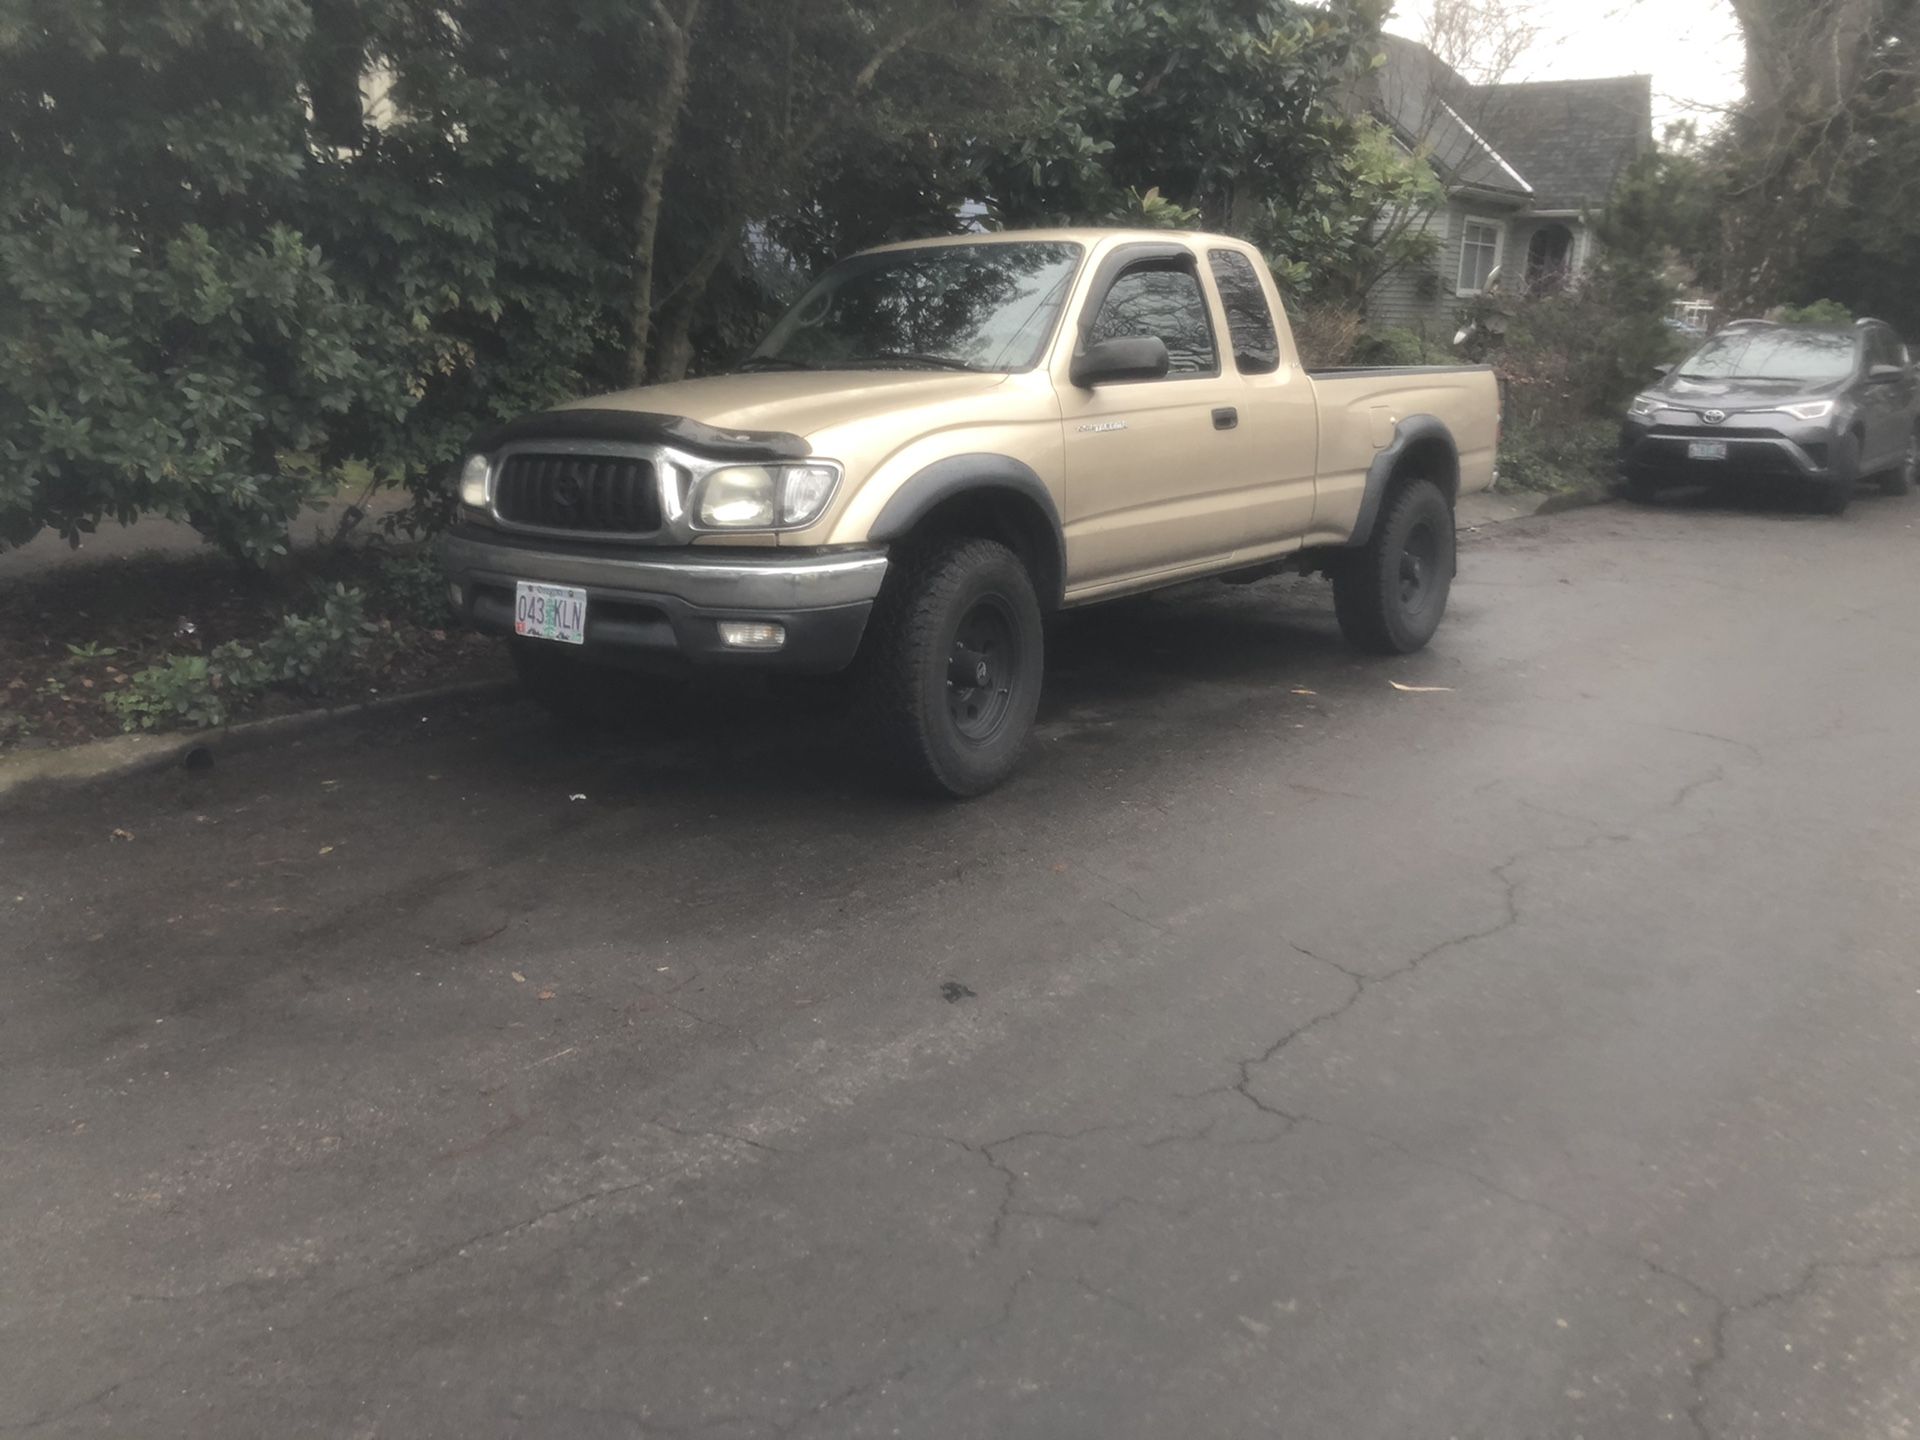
[473, 481]
[1642, 407]
[1812, 410]
[764, 497]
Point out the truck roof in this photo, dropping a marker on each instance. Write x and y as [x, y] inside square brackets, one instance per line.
[1088, 235]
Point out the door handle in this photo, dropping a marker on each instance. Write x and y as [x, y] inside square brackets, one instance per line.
[1225, 418]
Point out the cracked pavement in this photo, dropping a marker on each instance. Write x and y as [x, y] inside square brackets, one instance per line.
[1282, 1054]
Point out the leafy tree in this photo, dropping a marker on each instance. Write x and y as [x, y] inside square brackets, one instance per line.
[170, 340]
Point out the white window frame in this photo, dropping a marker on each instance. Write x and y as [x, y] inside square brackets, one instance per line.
[1499, 228]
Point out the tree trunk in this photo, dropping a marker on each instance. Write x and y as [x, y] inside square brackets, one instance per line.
[676, 349]
[677, 72]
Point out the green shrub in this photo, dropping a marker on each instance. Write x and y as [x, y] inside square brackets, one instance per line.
[185, 692]
[1397, 345]
[1556, 457]
[1820, 312]
[306, 653]
[410, 585]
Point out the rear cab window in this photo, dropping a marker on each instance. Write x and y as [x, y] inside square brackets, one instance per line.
[1250, 328]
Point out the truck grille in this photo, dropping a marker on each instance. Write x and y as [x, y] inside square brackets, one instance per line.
[600, 494]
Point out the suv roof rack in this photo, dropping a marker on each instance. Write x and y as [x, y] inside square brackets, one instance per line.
[1749, 325]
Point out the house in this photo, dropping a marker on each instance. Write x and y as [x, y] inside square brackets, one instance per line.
[1526, 168]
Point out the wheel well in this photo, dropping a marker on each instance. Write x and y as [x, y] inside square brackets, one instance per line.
[1432, 459]
[1009, 517]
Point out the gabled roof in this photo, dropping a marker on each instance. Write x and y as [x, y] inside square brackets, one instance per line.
[1570, 138]
[1551, 145]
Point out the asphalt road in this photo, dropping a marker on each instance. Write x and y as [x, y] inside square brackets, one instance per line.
[1282, 1054]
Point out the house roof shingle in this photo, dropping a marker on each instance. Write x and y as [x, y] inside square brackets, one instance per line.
[1570, 138]
[1553, 144]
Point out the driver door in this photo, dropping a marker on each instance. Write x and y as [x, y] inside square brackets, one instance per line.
[1157, 471]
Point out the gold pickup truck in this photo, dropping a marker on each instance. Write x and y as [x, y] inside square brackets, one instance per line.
[939, 445]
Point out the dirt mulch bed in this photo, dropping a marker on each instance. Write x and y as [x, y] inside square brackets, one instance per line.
[71, 637]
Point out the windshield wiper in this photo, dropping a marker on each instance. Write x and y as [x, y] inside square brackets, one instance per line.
[775, 362]
[914, 357]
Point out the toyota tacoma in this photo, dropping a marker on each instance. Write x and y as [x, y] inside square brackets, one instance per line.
[942, 443]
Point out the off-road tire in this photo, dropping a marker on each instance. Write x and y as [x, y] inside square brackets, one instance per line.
[1390, 594]
[1900, 479]
[933, 594]
[570, 689]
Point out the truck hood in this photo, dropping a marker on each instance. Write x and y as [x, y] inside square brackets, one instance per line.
[796, 402]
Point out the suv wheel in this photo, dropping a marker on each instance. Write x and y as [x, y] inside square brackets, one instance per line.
[1835, 493]
[1389, 595]
[955, 657]
[1902, 478]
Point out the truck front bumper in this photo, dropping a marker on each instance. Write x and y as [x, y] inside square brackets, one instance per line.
[649, 608]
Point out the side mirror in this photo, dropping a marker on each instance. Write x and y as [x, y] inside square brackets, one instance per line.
[1887, 372]
[1133, 357]
[1666, 369]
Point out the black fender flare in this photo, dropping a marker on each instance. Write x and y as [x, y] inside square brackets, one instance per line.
[1414, 430]
[985, 474]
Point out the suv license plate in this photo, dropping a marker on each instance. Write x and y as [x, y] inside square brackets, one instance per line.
[550, 612]
[1706, 450]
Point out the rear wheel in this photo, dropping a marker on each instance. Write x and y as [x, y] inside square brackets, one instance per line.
[954, 664]
[1901, 479]
[1389, 595]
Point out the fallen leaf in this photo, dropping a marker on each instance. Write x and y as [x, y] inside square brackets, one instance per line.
[326, 849]
[1422, 689]
[518, 978]
[546, 994]
[576, 797]
[1298, 691]
[1060, 867]
[122, 834]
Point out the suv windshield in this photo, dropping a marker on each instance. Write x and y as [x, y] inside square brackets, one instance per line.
[986, 307]
[1811, 355]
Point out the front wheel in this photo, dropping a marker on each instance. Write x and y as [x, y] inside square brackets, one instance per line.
[955, 655]
[1904, 476]
[1389, 594]
[1833, 495]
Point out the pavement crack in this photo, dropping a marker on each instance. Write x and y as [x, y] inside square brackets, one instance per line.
[1703, 1369]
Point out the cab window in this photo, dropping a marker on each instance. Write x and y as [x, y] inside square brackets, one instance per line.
[1256, 346]
[1164, 299]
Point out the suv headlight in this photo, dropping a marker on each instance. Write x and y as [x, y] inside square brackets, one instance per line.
[1642, 407]
[1812, 410]
[763, 497]
[474, 475]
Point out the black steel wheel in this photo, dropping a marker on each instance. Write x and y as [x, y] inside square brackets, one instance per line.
[1391, 593]
[953, 661]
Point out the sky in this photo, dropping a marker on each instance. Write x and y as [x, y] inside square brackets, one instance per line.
[1691, 48]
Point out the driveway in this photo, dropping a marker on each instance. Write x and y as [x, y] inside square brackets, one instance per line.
[1528, 1052]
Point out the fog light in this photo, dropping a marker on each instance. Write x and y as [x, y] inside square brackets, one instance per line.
[752, 635]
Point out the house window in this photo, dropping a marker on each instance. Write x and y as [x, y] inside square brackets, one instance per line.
[1479, 255]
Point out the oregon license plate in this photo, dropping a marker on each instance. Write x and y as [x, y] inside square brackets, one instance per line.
[550, 612]
[1706, 450]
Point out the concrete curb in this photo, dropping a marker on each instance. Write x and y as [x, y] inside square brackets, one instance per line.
[120, 756]
[1490, 509]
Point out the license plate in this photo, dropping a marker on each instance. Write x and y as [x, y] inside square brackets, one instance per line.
[1706, 450]
[550, 612]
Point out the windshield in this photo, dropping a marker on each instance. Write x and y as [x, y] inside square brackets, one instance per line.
[1810, 355]
[986, 307]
